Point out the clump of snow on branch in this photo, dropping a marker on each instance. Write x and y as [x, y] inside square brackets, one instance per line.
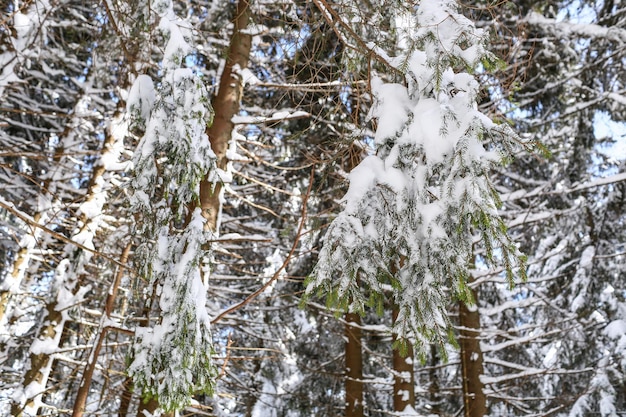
[174, 154]
[414, 209]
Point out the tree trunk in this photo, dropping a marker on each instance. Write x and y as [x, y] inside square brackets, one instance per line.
[13, 281]
[433, 389]
[474, 399]
[403, 376]
[40, 363]
[69, 282]
[354, 366]
[226, 105]
[126, 397]
[92, 360]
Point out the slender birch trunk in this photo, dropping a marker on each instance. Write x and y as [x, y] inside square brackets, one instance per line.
[14, 279]
[67, 286]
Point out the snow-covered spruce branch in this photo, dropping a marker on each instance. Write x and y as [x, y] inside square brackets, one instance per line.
[540, 191]
[280, 116]
[587, 30]
[171, 360]
[308, 87]
[412, 209]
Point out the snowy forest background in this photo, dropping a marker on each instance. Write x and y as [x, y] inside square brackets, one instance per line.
[176, 237]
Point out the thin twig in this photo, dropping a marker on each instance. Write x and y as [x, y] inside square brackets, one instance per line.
[331, 16]
[27, 219]
[285, 263]
[227, 358]
[310, 87]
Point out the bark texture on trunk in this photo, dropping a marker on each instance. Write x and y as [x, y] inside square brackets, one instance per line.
[226, 105]
[40, 363]
[403, 376]
[433, 389]
[14, 280]
[354, 366]
[474, 399]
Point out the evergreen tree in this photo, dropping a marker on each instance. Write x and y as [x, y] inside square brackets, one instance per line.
[413, 208]
[171, 358]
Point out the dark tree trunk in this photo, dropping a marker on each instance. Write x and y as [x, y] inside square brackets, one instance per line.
[403, 376]
[85, 384]
[354, 366]
[435, 398]
[474, 399]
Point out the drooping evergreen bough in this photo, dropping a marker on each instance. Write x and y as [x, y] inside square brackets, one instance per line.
[171, 360]
[416, 209]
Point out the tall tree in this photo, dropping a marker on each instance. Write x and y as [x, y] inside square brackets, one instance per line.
[354, 366]
[550, 56]
[227, 102]
[412, 207]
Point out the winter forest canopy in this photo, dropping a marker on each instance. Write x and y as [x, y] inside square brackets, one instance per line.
[312, 208]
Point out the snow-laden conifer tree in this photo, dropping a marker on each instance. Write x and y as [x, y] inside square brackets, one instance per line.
[171, 359]
[415, 210]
